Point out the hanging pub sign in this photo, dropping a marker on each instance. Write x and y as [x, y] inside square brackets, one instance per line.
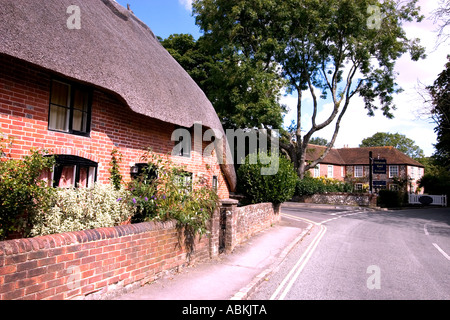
[379, 166]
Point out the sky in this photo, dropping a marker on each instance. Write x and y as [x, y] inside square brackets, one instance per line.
[166, 17]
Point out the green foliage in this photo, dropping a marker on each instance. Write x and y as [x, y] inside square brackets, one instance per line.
[436, 183]
[116, 177]
[440, 112]
[389, 198]
[169, 197]
[309, 186]
[396, 140]
[315, 44]
[258, 188]
[244, 92]
[83, 209]
[318, 141]
[21, 189]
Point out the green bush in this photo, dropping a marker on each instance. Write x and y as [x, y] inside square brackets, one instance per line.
[309, 186]
[82, 209]
[389, 198]
[22, 191]
[258, 188]
[169, 196]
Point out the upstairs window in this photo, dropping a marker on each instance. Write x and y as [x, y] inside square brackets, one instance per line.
[70, 109]
[183, 142]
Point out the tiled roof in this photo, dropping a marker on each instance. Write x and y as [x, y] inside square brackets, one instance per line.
[360, 156]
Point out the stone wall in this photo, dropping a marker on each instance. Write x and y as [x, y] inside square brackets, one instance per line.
[243, 222]
[349, 199]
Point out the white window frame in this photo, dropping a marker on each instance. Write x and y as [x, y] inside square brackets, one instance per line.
[317, 171]
[358, 171]
[330, 171]
[392, 173]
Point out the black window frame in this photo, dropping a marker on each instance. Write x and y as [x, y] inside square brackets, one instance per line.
[70, 160]
[82, 88]
[151, 172]
[215, 183]
[184, 153]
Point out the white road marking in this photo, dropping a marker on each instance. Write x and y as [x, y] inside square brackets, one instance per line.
[301, 263]
[298, 267]
[441, 251]
[425, 229]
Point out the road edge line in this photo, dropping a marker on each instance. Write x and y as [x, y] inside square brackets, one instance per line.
[245, 292]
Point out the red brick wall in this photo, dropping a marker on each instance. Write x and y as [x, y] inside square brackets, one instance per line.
[74, 265]
[24, 106]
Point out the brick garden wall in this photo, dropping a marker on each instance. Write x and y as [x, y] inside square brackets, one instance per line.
[94, 263]
[101, 263]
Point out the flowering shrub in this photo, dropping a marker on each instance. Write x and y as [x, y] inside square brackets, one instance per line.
[83, 209]
[170, 196]
[21, 190]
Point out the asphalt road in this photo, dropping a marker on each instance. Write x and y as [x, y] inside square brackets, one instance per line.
[368, 255]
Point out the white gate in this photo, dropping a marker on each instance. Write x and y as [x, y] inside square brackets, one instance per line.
[440, 200]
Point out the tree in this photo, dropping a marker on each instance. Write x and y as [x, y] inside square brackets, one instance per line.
[440, 100]
[441, 18]
[245, 93]
[318, 141]
[343, 48]
[396, 140]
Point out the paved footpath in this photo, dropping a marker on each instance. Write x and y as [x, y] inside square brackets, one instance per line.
[232, 276]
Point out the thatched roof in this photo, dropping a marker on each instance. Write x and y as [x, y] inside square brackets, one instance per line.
[112, 50]
[360, 156]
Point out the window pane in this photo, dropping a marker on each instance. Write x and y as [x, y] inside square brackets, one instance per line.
[79, 121]
[82, 183]
[91, 177]
[60, 94]
[80, 100]
[67, 179]
[47, 176]
[58, 119]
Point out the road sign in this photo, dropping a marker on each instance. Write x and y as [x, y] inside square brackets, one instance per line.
[379, 166]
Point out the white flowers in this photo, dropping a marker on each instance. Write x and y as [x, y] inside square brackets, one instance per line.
[82, 209]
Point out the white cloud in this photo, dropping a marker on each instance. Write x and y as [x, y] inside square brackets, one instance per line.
[187, 4]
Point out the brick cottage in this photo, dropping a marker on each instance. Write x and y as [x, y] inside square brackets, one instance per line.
[107, 83]
[82, 79]
[352, 165]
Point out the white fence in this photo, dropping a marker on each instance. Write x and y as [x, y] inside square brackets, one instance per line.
[428, 199]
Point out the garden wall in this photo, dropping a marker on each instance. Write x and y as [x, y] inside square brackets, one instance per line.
[101, 263]
[341, 198]
[244, 222]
